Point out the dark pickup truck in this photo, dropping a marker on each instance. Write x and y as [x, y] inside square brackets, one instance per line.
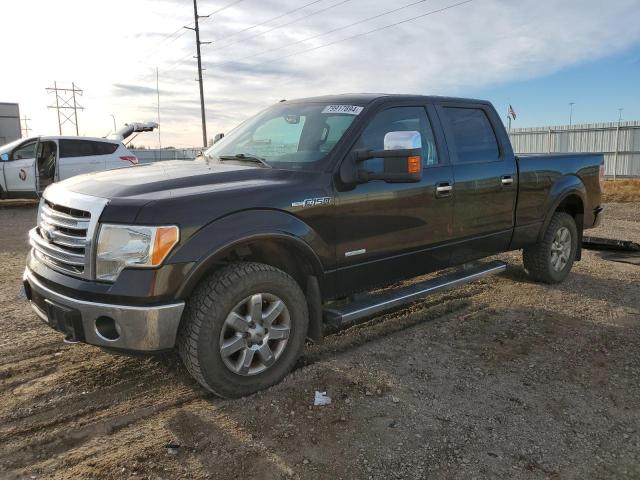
[240, 256]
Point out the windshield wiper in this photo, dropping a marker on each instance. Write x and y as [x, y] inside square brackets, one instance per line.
[246, 157]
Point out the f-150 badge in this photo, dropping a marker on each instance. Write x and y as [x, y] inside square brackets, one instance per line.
[312, 202]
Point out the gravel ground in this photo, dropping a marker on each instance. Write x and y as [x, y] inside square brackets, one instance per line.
[503, 378]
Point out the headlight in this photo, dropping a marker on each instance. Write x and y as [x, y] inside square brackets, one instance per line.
[121, 246]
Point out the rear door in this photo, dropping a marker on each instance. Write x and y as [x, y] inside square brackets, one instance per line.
[387, 231]
[485, 177]
[78, 156]
[20, 169]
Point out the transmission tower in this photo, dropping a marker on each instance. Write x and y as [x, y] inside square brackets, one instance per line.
[25, 129]
[65, 102]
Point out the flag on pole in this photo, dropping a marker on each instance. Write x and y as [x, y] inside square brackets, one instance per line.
[512, 112]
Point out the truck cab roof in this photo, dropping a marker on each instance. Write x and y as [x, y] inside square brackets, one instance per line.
[367, 98]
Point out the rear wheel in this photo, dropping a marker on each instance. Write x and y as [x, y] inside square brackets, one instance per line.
[244, 328]
[551, 259]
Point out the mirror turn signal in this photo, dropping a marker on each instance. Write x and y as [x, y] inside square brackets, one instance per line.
[414, 164]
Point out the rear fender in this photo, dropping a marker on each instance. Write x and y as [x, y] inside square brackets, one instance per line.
[564, 187]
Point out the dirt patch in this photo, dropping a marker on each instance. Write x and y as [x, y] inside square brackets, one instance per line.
[621, 191]
[503, 378]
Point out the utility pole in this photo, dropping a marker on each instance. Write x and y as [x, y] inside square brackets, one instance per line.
[571, 104]
[199, 57]
[26, 128]
[66, 100]
[158, 94]
[114, 122]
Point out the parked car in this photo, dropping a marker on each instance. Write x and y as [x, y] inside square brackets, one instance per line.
[238, 257]
[29, 165]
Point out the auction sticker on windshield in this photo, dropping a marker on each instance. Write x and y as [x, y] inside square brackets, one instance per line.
[349, 109]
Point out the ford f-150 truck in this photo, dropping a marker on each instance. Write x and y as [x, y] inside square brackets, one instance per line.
[240, 256]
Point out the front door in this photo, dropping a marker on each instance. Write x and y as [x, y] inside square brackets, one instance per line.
[20, 170]
[485, 178]
[47, 164]
[387, 231]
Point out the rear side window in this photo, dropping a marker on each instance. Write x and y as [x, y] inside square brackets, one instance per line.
[104, 148]
[85, 148]
[473, 135]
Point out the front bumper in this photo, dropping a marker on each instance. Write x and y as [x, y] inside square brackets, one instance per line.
[132, 328]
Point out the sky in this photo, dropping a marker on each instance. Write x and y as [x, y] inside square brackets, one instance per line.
[537, 55]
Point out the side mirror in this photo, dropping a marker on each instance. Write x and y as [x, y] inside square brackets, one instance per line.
[401, 156]
[218, 137]
[4, 157]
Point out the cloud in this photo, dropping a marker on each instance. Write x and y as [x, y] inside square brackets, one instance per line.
[485, 42]
[132, 90]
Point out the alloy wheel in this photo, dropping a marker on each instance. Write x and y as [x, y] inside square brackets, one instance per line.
[255, 334]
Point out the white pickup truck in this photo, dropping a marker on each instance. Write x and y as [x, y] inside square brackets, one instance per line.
[29, 165]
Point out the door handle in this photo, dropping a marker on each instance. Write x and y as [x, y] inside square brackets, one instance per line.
[507, 180]
[443, 189]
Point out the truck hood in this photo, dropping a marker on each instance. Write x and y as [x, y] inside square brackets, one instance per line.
[163, 180]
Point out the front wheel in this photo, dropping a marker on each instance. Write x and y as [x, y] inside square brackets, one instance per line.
[243, 330]
[551, 259]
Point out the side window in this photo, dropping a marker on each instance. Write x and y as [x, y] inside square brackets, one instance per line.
[473, 135]
[397, 119]
[28, 150]
[104, 148]
[76, 148]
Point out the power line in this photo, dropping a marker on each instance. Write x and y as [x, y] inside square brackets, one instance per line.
[432, 12]
[289, 12]
[284, 24]
[172, 66]
[388, 12]
[172, 37]
[229, 5]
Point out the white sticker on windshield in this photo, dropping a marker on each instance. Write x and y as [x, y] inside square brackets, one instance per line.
[349, 109]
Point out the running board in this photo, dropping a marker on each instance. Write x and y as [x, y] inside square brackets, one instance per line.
[377, 304]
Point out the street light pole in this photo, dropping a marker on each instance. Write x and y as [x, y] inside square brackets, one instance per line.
[615, 158]
[114, 123]
[571, 104]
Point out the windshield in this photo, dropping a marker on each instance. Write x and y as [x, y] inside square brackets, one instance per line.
[9, 146]
[289, 136]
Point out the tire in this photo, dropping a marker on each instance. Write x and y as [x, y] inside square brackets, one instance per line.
[550, 260]
[219, 316]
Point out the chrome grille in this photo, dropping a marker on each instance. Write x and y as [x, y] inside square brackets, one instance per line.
[64, 237]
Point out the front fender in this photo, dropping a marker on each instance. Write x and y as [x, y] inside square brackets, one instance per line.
[562, 188]
[224, 234]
